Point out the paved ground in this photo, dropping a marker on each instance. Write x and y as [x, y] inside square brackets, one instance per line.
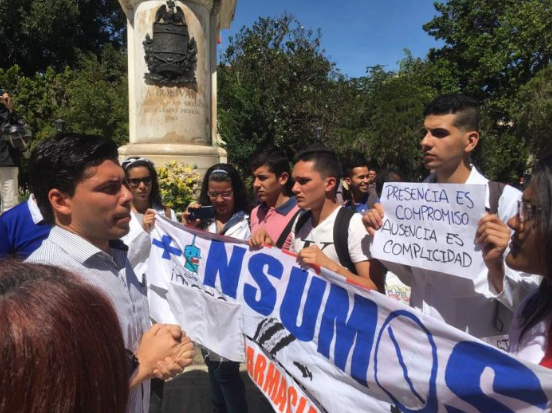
[190, 393]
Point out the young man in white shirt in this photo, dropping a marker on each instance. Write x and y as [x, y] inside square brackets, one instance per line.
[316, 174]
[452, 133]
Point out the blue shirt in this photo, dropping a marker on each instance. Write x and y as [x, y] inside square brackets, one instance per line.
[22, 230]
[360, 207]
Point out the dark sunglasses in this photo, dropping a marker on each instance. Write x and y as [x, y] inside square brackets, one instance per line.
[134, 182]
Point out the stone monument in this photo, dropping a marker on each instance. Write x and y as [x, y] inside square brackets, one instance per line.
[172, 76]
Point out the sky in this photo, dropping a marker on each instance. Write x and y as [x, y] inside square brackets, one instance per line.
[355, 33]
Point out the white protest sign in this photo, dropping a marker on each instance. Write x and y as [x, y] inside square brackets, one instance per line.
[431, 226]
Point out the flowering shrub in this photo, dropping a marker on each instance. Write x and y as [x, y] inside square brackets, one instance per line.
[179, 183]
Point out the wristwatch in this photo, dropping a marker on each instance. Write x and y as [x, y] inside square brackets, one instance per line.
[133, 362]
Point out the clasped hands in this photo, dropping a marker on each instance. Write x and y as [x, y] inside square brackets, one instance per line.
[164, 352]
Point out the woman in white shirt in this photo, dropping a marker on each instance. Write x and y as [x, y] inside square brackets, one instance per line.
[141, 180]
[530, 252]
[224, 190]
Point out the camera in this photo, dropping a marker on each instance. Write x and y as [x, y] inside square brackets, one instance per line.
[203, 213]
[18, 136]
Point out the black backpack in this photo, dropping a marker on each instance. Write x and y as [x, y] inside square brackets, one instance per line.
[340, 235]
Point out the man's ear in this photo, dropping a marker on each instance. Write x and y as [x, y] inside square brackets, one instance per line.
[283, 178]
[60, 202]
[331, 183]
[347, 180]
[472, 140]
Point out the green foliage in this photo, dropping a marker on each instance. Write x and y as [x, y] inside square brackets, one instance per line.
[274, 87]
[36, 35]
[533, 113]
[92, 98]
[492, 47]
[96, 97]
[388, 117]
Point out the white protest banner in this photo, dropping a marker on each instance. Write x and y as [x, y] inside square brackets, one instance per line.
[316, 343]
[431, 226]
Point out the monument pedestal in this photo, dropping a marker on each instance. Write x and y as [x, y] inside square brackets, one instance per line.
[172, 76]
[160, 154]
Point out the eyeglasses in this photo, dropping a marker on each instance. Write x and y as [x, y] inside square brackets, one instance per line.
[223, 195]
[135, 182]
[527, 212]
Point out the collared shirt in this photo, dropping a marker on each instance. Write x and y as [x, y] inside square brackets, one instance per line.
[236, 227]
[469, 305]
[273, 220]
[22, 230]
[112, 274]
[359, 207]
[36, 215]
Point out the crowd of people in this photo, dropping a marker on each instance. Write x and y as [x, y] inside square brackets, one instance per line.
[84, 235]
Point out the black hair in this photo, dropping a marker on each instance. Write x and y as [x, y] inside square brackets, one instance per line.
[273, 157]
[241, 201]
[62, 161]
[387, 175]
[464, 107]
[540, 304]
[135, 162]
[324, 161]
[352, 162]
[277, 162]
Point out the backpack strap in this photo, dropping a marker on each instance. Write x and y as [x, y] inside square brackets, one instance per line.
[287, 230]
[495, 192]
[302, 220]
[340, 235]
[341, 238]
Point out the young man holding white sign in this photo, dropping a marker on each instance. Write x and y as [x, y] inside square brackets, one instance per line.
[315, 236]
[452, 133]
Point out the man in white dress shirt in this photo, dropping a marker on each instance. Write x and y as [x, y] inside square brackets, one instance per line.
[79, 187]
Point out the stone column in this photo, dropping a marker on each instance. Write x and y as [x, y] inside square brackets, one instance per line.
[175, 121]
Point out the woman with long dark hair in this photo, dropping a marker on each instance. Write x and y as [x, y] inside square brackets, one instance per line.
[61, 347]
[141, 180]
[530, 252]
[223, 189]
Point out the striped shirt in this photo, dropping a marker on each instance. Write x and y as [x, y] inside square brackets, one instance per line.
[112, 274]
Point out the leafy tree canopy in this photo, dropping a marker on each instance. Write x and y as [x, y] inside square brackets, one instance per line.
[492, 47]
[274, 87]
[36, 35]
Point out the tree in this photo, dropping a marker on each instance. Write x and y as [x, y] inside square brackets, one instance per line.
[533, 113]
[493, 47]
[36, 35]
[387, 123]
[96, 96]
[275, 86]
